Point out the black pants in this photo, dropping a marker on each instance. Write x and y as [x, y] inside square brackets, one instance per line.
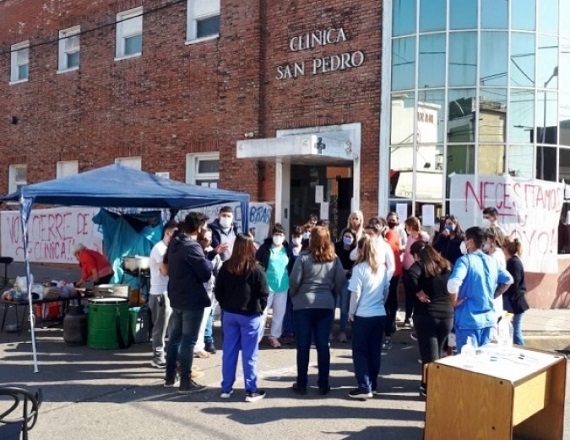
[432, 335]
[392, 304]
[410, 295]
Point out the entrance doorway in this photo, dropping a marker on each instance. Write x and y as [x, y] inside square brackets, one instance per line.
[337, 184]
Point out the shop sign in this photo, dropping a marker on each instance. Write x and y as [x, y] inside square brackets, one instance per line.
[318, 65]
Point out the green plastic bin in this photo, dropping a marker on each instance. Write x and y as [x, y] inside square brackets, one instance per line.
[108, 323]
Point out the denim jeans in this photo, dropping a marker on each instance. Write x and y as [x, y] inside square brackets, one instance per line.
[313, 324]
[344, 304]
[209, 330]
[184, 328]
[367, 336]
[517, 329]
[240, 333]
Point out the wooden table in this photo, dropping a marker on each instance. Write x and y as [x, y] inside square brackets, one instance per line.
[520, 394]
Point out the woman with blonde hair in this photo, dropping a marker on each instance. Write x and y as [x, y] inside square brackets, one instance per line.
[315, 282]
[242, 291]
[355, 223]
[368, 287]
[514, 300]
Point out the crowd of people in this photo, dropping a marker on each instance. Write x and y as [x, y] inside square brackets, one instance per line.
[457, 281]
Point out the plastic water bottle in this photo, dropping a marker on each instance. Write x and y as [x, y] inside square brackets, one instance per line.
[505, 340]
[468, 353]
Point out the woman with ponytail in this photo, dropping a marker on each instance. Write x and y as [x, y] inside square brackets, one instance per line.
[514, 300]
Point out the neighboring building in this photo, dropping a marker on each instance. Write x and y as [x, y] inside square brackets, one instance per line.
[378, 102]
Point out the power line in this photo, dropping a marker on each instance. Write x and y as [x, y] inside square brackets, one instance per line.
[103, 26]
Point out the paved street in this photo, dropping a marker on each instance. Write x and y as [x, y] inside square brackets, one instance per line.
[100, 394]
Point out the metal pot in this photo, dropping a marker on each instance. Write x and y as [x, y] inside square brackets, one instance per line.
[135, 263]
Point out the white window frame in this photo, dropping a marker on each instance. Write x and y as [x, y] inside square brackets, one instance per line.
[13, 182]
[134, 162]
[66, 168]
[16, 51]
[122, 32]
[194, 16]
[66, 36]
[193, 164]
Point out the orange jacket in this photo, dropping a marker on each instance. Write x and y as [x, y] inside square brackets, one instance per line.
[90, 260]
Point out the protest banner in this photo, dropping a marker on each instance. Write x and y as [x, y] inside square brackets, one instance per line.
[528, 209]
[51, 234]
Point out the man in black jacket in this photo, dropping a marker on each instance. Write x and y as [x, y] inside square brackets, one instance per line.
[188, 270]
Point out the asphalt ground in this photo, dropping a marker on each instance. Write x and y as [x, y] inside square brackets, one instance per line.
[100, 394]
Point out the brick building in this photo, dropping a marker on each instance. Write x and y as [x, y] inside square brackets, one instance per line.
[132, 81]
[379, 103]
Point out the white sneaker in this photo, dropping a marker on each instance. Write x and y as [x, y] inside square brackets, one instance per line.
[254, 397]
[227, 395]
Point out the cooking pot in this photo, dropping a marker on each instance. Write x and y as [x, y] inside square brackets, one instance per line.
[111, 290]
[136, 263]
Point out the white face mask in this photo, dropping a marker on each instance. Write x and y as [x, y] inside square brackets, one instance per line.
[296, 241]
[278, 240]
[306, 235]
[226, 222]
[463, 248]
[486, 223]
[486, 247]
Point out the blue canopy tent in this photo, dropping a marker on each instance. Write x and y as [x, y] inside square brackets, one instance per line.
[116, 186]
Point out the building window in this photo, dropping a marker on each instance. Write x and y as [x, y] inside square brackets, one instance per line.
[130, 162]
[69, 49]
[67, 168]
[17, 175]
[203, 19]
[203, 169]
[129, 33]
[20, 62]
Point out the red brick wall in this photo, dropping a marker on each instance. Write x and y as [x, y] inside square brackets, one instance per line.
[176, 98]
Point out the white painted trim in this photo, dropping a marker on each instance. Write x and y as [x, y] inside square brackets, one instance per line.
[385, 111]
[354, 132]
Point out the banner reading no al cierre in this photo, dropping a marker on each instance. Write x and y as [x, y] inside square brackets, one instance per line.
[528, 209]
[51, 234]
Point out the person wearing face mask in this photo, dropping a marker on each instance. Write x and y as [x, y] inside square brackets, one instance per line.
[356, 223]
[475, 281]
[493, 247]
[449, 239]
[277, 260]
[415, 233]
[224, 232]
[343, 247]
[490, 218]
[393, 239]
[296, 246]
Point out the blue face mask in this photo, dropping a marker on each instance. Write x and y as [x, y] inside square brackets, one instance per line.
[347, 241]
[449, 228]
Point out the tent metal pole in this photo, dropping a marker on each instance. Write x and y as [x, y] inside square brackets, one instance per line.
[25, 206]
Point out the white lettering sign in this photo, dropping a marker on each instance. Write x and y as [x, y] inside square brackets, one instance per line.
[51, 234]
[528, 209]
[326, 64]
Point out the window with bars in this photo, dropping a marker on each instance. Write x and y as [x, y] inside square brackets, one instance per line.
[203, 19]
[69, 45]
[203, 169]
[17, 175]
[129, 33]
[20, 62]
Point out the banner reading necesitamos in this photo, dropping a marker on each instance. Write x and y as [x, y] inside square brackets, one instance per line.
[528, 209]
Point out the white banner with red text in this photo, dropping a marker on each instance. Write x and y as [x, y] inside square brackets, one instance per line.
[528, 209]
